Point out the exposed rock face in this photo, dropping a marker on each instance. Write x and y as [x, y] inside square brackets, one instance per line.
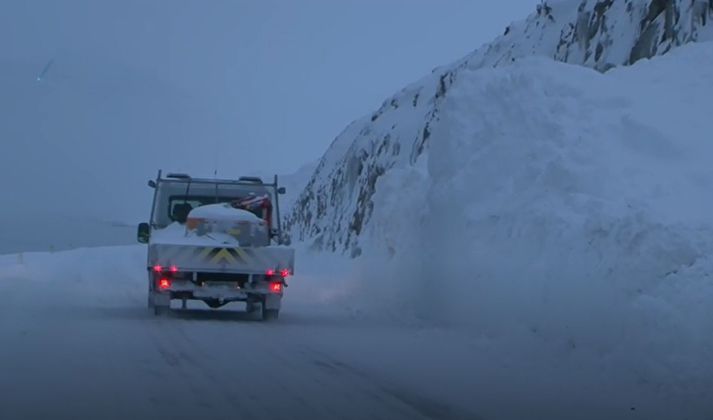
[336, 205]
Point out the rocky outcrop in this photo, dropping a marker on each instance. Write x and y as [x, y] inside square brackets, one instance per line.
[337, 203]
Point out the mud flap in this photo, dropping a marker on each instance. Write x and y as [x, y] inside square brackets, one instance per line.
[273, 301]
[161, 299]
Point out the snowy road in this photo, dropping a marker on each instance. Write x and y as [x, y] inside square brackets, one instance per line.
[78, 342]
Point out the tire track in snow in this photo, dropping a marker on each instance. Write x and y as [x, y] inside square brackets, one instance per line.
[425, 407]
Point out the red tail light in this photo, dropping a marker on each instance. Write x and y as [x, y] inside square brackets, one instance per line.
[164, 284]
[270, 272]
[285, 273]
[276, 287]
[157, 268]
[173, 269]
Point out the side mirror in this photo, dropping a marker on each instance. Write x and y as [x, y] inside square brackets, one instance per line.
[152, 183]
[143, 233]
[281, 190]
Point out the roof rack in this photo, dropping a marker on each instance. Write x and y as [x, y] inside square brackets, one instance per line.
[178, 176]
[250, 179]
[243, 180]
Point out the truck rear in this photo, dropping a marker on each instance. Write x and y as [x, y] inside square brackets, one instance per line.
[217, 241]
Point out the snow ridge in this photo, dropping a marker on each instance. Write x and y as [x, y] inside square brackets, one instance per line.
[336, 205]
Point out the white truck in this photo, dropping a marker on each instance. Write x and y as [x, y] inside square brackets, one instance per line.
[217, 241]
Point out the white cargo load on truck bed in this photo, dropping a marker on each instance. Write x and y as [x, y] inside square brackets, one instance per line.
[176, 234]
[223, 211]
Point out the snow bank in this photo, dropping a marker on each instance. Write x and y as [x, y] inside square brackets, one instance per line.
[337, 203]
[90, 266]
[565, 216]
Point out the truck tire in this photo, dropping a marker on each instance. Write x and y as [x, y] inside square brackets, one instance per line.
[160, 310]
[270, 314]
[251, 307]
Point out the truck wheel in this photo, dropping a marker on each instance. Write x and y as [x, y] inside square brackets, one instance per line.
[270, 314]
[160, 310]
[251, 307]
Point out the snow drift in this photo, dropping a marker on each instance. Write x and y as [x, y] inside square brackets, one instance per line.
[564, 216]
[337, 203]
[559, 212]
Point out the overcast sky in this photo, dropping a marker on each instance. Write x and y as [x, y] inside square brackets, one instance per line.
[244, 87]
[278, 77]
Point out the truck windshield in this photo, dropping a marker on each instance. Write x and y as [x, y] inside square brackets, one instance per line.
[174, 200]
[179, 206]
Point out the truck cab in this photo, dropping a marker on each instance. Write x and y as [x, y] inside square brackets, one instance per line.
[217, 241]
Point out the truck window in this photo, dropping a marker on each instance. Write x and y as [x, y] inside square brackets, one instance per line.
[179, 207]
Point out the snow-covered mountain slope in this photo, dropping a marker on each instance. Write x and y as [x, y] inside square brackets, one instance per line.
[337, 204]
[559, 211]
[564, 214]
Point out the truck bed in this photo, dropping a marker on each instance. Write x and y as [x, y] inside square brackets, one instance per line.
[221, 258]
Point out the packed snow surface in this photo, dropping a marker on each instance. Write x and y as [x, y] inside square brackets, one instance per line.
[77, 336]
[79, 342]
